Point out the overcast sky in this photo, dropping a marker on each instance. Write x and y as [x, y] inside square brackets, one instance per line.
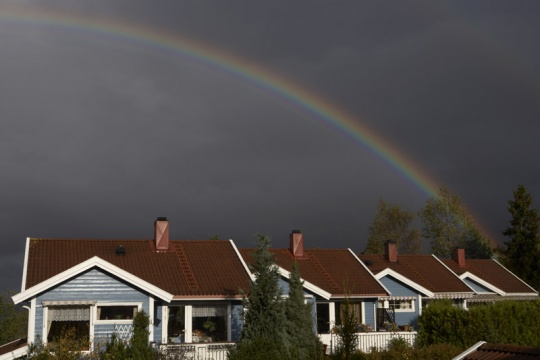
[99, 134]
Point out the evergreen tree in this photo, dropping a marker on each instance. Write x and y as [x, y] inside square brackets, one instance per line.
[264, 331]
[141, 349]
[13, 319]
[304, 344]
[522, 252]
[346, 331]
[447, 225]
[393, 223]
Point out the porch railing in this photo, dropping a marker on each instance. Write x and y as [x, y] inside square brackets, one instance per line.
[370, 340]
[206, 351]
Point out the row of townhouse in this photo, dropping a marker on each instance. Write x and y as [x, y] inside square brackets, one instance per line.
[192, 290]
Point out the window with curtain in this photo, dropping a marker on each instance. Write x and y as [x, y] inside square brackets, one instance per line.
[210, 323]
[72, 321]
[356, 308]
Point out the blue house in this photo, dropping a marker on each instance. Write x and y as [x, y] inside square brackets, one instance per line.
[191, 290]
[330, 276]
[413, 281]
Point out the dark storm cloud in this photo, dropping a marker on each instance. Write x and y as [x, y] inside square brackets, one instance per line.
[98, 136]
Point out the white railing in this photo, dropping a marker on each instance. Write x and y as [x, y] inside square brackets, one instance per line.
[194, 351]
[370, 340]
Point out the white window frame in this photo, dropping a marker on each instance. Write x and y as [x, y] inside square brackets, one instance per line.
[412, 309]
[114, 321]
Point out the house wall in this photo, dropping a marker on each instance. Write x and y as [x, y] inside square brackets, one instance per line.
[397, 288]
[370, 307]
[93, 285]
[477, 287]
[237, 320]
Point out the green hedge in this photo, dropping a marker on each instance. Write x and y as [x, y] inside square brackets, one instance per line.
[504, 322]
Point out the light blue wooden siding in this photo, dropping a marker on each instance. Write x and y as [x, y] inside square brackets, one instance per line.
[476, 286]
[397, 288]
[284, 285]
[369, 312]
[93, 285]
[158, 321]
[237, 320]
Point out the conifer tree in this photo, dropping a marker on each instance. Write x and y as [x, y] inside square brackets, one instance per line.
[522, 254]
[304, 344]
[264, 331]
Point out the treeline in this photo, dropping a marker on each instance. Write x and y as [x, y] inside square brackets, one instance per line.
[446, 224]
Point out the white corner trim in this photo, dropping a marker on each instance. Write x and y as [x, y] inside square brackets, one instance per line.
[453, 273]
[251, 276]
[482, 282]
[311, 287]
[405, 280]
[369, 271]
[86, 265]
[27, 248]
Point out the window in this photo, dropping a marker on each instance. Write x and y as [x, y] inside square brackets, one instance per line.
[402, 305]
[69, 321]
[323, 318]
[209, 323]
[116, 312]
[356, 309]
[176, 325]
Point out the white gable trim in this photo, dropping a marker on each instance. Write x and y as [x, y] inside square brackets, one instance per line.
[23, 284]
[405, 280]
[482, 282]
[86, 265]
[453, 273]
[307, 285]
[252, 276]
[369, 271]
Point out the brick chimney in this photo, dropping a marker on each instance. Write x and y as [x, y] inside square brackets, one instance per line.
[296, 241]
[161, 234]
[459, 256]
[390, 251]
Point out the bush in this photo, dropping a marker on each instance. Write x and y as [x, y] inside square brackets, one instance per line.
[505, 322]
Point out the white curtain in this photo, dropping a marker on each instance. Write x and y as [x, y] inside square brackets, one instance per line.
[69, 313]
[209, 311]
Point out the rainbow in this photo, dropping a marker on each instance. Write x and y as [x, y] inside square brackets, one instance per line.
[303, 99]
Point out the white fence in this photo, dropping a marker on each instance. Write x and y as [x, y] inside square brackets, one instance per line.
[206, 351]
[370, 340]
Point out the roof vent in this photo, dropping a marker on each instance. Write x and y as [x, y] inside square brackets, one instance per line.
[368, 262]
[120, 251]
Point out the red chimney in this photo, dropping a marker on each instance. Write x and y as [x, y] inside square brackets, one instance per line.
[296, 240]
[161, 234]
[390, 251]
[459, 256]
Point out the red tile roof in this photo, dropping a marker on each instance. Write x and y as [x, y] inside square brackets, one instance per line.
[492, 272]
[336, 271]
[489, 351]
[425, 270]
[189, 268]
